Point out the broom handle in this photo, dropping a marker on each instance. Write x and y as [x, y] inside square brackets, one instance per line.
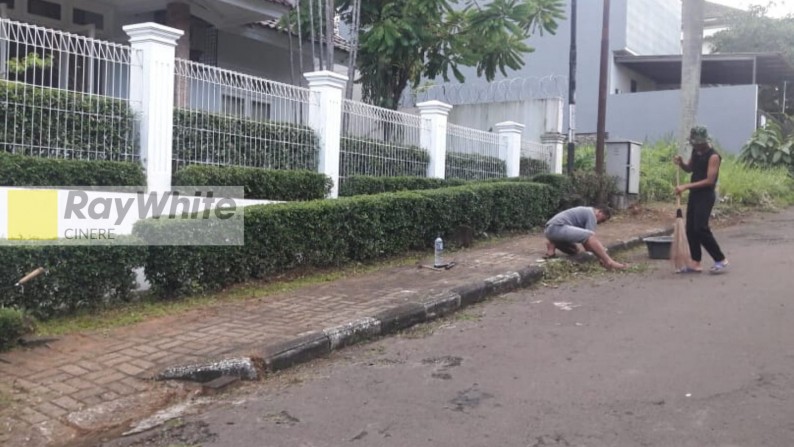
[677, 182]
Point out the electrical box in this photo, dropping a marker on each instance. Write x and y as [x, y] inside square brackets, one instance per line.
[622, 160]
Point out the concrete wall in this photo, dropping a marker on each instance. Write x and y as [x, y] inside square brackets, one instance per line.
[538, 116]
[728, 112]
[659, 32]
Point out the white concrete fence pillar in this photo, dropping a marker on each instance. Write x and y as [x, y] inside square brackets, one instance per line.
[433, 139]
[510, 145]
[152, 97]
[325, 118]
[557, 143]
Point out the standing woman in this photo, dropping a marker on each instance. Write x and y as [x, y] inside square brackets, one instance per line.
[705, 168]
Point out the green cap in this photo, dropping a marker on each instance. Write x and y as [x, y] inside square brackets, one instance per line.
[699, 135]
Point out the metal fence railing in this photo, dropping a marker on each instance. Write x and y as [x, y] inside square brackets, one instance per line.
[536, 158]
[64, 95]
[224, 117]
[473, 154]
[380, 142]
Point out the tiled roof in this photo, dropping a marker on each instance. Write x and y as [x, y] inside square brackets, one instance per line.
[339, 42]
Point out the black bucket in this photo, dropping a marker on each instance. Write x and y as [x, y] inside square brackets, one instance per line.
[659, 247]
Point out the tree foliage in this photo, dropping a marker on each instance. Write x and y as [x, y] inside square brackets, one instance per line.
[403, 41]
[755, 31]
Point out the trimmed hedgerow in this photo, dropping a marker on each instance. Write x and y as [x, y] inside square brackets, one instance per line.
[474, 166]
[50, 122]
[530, 167]
[334, 232]
[76, 278]
[265, 184]
[376, 158]
[22, 170]
[208, 138]
[361, 185]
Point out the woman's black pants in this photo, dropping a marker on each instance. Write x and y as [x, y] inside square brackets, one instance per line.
[698, 212]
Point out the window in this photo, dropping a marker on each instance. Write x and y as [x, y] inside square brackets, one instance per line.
[83, 17]
[232, 105]
[44, 8]
[260, 111]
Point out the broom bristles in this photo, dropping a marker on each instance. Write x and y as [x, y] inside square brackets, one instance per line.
[679, 251]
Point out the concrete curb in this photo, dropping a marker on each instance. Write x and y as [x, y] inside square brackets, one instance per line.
[316, 344]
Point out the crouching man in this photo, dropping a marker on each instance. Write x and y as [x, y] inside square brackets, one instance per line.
[575, 226]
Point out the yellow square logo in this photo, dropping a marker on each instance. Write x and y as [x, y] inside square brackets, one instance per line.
[32, 214]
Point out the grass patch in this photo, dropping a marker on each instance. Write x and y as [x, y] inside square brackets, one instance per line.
[148, 307]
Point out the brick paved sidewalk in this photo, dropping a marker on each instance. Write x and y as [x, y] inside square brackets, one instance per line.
[90, 381]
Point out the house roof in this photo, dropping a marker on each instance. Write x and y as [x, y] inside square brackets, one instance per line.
[725, 69]
[339, 41]
[716, 15]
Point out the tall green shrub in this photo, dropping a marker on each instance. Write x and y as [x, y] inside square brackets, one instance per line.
[50, 122]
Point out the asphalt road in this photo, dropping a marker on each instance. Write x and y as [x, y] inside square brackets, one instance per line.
[642, 359]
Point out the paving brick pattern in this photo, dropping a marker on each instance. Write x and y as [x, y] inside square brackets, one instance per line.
[42, 386]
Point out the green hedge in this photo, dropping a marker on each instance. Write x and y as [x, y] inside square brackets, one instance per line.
[376, 158]
[64, 124]
[13, 325]
[77, 277]
[265, 184]
[22, 170]
[530, 167]
[207, 138]
[361, 185]
[474, 166]
[334, 232]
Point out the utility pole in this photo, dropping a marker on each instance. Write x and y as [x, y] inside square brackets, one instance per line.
[602, 92]
[572, 92]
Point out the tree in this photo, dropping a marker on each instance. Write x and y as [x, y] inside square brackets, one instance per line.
[754, 31]
[692, 13]
[402, 42]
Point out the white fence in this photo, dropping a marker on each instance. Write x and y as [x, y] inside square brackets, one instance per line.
[64, 95]
[473, 154]
[380, 142]
[69, 96]
[537, 158]
[228, 118]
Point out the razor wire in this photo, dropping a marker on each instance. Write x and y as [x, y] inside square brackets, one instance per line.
[514, 89]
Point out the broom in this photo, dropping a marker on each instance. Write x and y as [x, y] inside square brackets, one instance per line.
[679, 251]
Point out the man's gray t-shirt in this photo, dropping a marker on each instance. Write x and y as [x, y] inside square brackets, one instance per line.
[580, 217]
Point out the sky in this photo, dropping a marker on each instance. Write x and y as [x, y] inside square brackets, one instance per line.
[781, 8]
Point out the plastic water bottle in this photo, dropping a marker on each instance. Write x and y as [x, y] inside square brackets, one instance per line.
[439, 250]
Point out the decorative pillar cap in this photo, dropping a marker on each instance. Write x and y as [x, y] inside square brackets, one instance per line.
[509, 126]
[153, 32]
[325, 78]
[434, 107]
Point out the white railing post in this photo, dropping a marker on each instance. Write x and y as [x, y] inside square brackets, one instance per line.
[152, 97]
[557, 143]
[325, 118]
[433, 138]
[510, 145]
